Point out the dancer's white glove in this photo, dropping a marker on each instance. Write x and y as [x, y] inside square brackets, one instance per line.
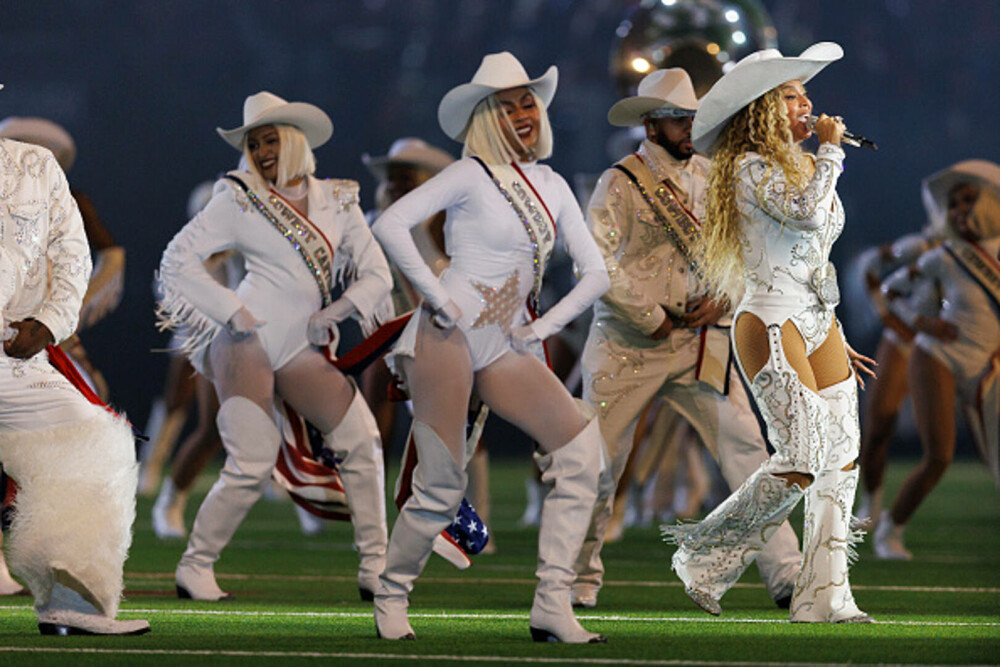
[522, 338]
[322, 329]
[243, 323]
[447, 316]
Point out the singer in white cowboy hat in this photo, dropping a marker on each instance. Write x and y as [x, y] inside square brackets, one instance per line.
[74, 462]
[772, 216]
[273, 336]
[476, 329]
[660, 311]
[950, 300]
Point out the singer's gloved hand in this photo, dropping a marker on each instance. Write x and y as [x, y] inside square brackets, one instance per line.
[322, 328]
[447, 316]
[522, 338]
[243, 323]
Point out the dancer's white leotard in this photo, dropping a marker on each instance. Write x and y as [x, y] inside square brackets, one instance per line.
[492, 260]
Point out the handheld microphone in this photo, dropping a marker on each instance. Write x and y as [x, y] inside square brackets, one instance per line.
[848, 137]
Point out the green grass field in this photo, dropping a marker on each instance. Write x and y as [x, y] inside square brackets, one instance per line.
[296, 600]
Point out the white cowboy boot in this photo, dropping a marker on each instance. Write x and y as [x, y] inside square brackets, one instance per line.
[67, 613]
[888, 540]
[572, 472]
[251, 440]
[438, 486]
[823, 589]
[356, 441]
[713, 554]
[168, 511]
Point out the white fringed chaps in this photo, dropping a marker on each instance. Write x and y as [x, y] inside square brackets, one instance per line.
[75, 505]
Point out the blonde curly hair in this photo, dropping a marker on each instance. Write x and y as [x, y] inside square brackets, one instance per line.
[761, 127]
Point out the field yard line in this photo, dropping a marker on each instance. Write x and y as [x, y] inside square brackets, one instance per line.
[397, 656]
[507, 581]
[508, 616]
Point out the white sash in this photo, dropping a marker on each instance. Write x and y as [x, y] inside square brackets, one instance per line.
[980, 266]
[533, 214]
[309, 242]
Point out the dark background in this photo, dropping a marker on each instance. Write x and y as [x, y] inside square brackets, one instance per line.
[141, 85]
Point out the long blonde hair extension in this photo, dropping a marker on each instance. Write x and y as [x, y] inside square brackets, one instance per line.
[761, 127]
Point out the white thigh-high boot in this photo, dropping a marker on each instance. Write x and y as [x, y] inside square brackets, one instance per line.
[73, 521]
[437, 489]
[713, 554]
[251, 440]
[823, 590]
[572, 473]
[356, 441]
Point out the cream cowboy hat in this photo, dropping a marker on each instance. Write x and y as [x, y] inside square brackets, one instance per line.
[750, 78]
[665, 90]
[498, 71]
[265, 108]
[44, 133]
[408, 150]
[936, 187]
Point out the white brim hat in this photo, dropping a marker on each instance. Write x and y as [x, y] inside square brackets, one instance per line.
[750, 78]
[667, 91]
[936, 187]
[498, 71]
[408, 150]
[42, 132]
[265, 108]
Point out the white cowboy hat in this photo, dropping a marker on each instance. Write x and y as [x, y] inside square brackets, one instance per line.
[666, 91]
[750, 78]
[408, 150]
[44, 133]
[498, 71]
[265, 108]
[936, 187]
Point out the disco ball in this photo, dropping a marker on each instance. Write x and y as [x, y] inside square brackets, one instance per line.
[701, 36]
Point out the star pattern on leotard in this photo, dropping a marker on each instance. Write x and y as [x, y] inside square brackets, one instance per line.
[499, 303]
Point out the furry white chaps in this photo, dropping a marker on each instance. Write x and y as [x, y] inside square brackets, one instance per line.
[74, 509]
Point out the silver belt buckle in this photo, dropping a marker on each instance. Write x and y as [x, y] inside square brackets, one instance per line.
[823, 282]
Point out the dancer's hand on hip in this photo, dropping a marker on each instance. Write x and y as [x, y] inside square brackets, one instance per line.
[447, 316]
[243, 323]
[522, 338]
[322, 329]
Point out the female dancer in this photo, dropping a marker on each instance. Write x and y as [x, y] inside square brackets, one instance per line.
[957, 347]
[775, 214]
[884, 396]
[273, 334]
[504, 211]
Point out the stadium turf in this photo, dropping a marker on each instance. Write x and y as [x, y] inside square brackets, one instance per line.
[297, 602]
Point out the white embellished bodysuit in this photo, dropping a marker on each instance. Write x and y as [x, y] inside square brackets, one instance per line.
[787, 235]
[278, 288]
[492, 260]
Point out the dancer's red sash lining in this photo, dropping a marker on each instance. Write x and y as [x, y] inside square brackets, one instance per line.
[62, 363]
[363, 355]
